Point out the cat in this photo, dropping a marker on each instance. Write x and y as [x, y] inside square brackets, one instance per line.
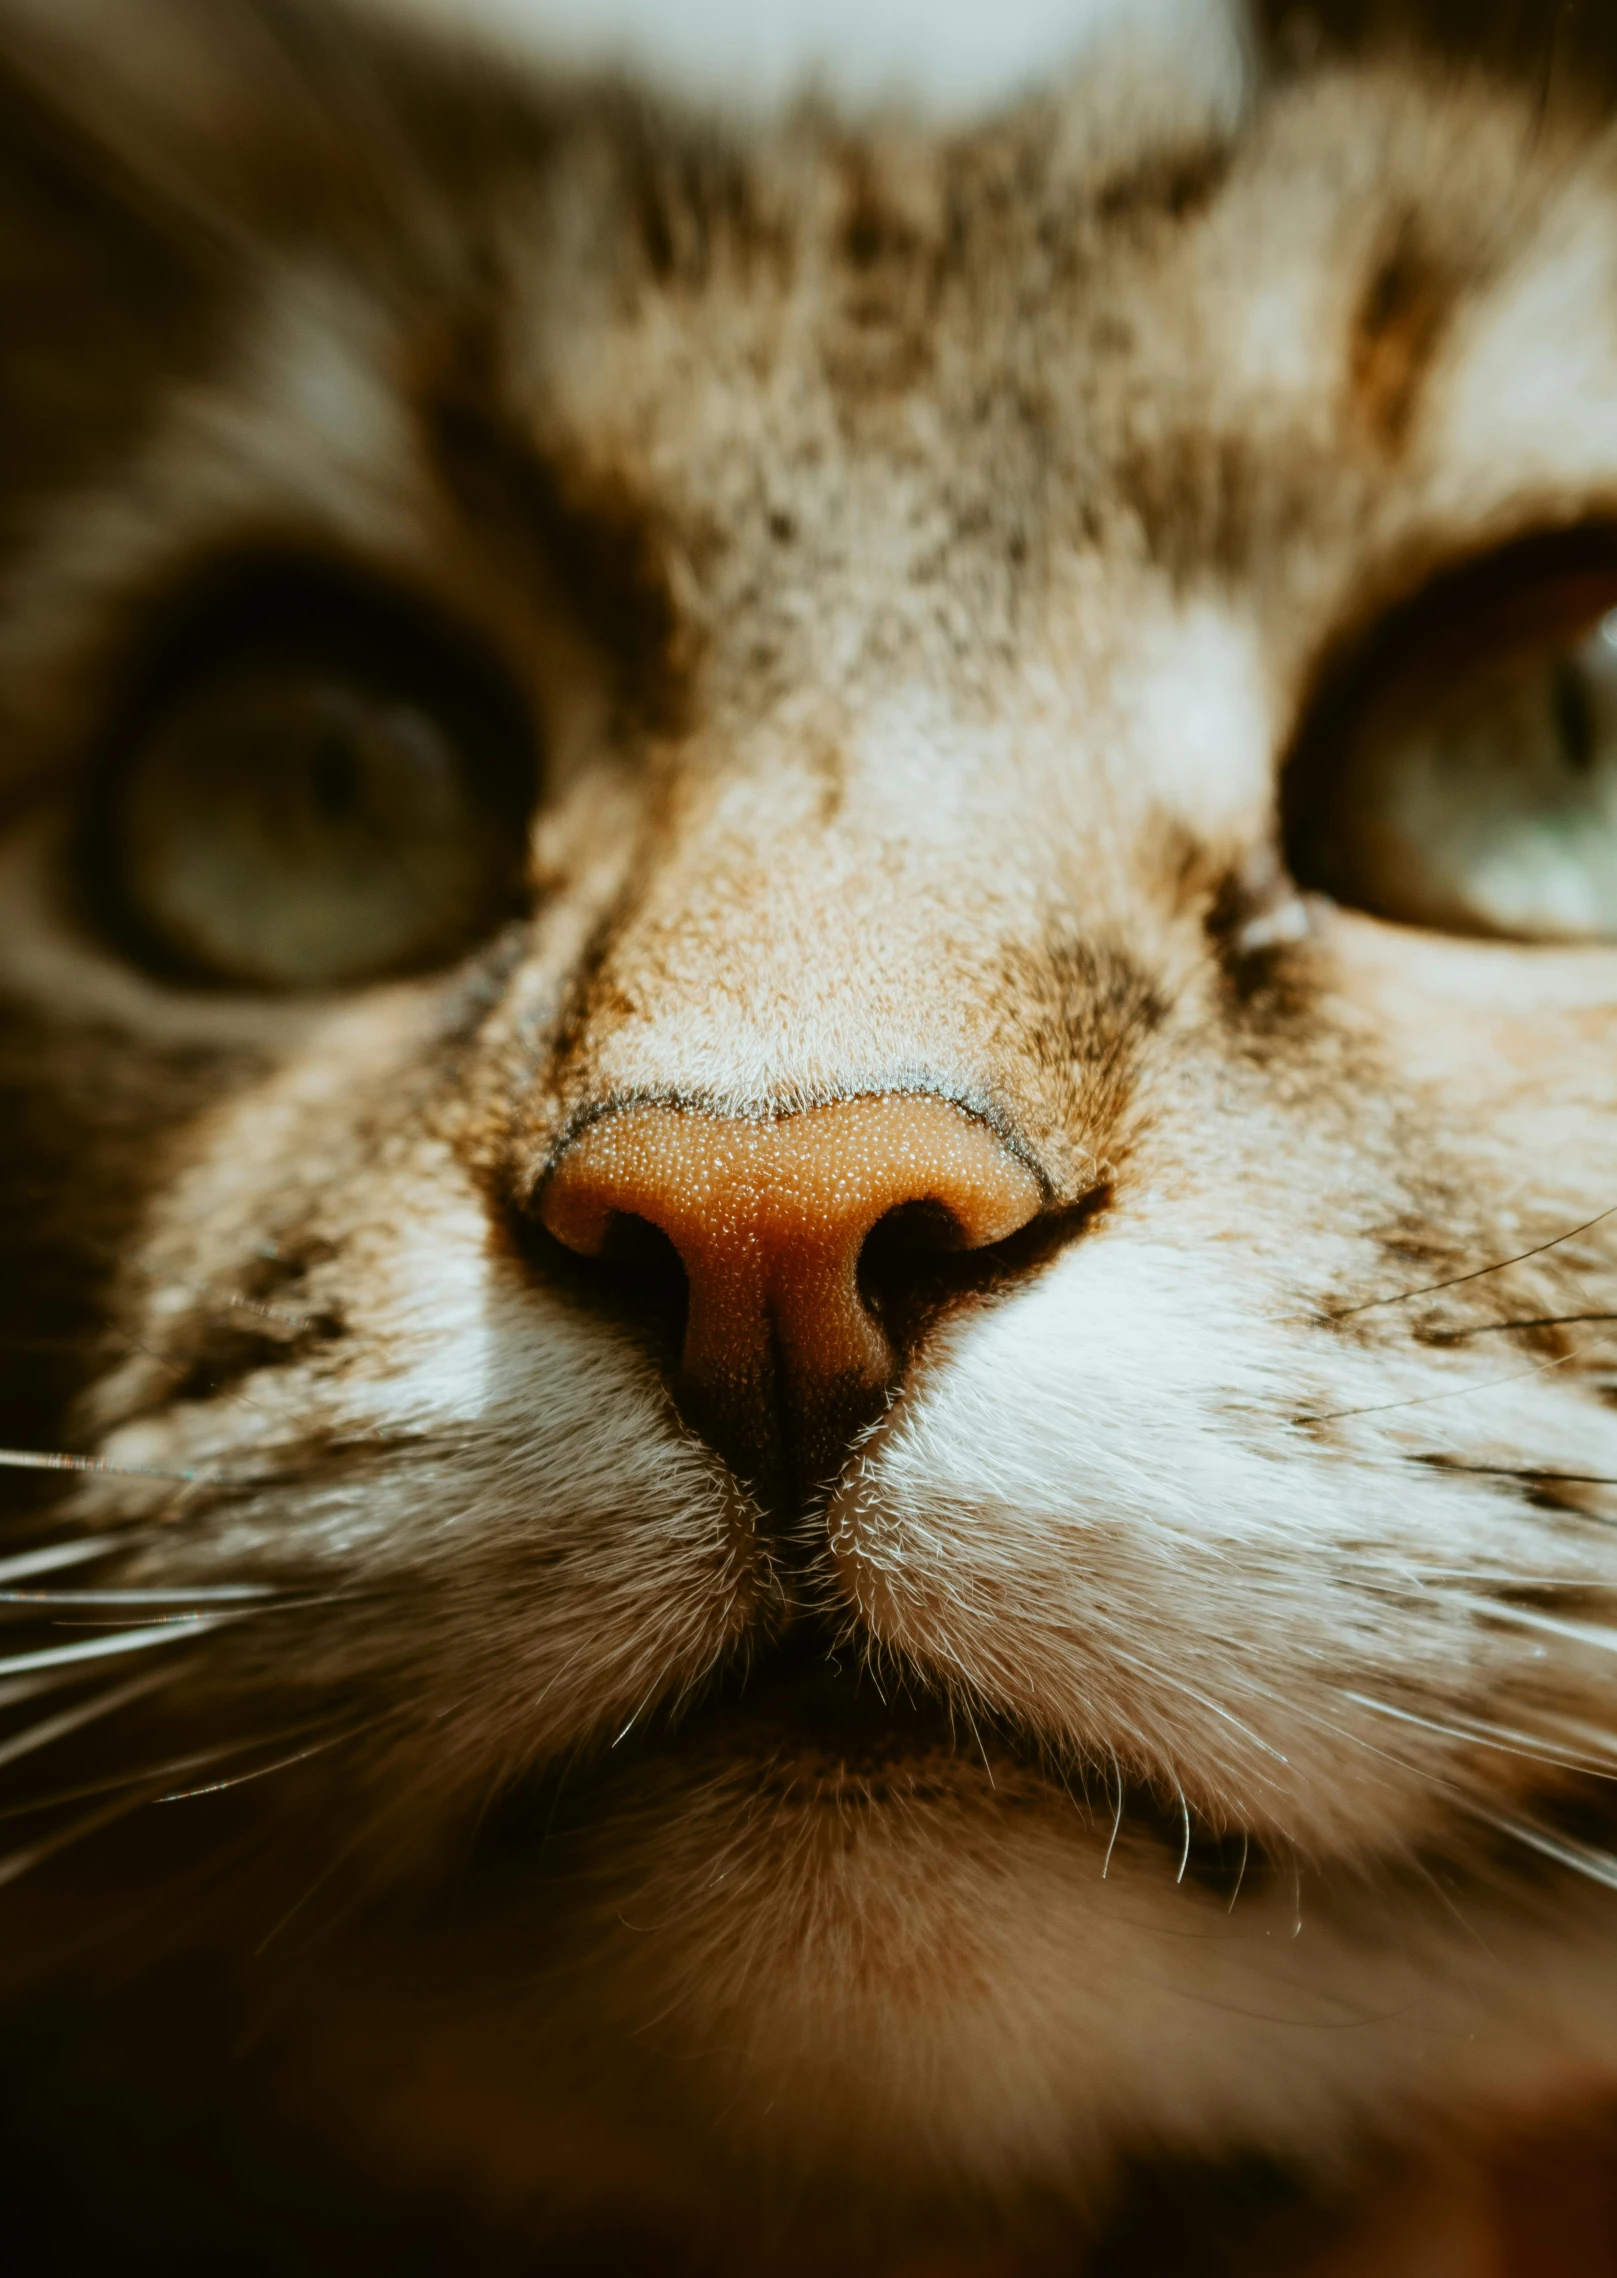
[810, 978]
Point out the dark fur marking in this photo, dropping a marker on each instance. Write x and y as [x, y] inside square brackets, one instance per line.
[1566, 52]
[1172, 185]
[893, 272]
[226, 1352]
[602, 547]
[1084, 1010]
[696, 205]
[1267, 989]
[1401, 322]
[263, 1324]
[1199, 496]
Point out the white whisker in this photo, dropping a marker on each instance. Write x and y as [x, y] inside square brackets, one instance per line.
[119, 1641]
[1598, 1634]
[1246, 1846]
[149, 1776]
[1117, 1817]
[71, 1720]
[224, 1593]
[38, 1459]
[262, 1771]
[1598, 1866]
[60, 1554]
[1508, 1742]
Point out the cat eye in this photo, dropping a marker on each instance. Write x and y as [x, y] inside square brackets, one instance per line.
[331, 797]
[1466, 775]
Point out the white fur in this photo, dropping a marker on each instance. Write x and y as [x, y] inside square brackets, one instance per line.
[952, 57]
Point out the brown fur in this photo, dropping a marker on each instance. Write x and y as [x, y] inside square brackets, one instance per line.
[917, 554]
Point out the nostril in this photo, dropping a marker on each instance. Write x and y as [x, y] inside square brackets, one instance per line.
[630, 1267]
[918, 1228]
[898, 1251]
[640, 1246]
[641, 1274]
[918, 1260]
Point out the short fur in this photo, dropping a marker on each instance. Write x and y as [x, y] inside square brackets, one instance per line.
[918, 550]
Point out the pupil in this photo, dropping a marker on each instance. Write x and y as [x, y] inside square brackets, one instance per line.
[1574, 718]
[334, 776]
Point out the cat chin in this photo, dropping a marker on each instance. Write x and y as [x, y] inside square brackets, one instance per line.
[961, 1992]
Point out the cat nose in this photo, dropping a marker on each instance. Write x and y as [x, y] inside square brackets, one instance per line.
[771, 1220]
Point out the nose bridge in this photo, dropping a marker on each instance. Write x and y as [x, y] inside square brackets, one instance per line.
[770, 1217]
[797, 924]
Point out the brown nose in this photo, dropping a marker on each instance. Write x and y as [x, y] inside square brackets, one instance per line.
[770, 1219]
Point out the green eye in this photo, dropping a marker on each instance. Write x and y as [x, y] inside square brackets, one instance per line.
[1473, 788]
[297, 817]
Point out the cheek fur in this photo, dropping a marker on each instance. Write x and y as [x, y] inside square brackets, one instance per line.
[1145, 1514]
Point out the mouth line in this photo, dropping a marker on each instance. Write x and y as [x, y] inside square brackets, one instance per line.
[809, 1726]
[809, 1714]
[818, 1700]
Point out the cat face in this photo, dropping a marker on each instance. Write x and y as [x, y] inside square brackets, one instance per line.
[838, 1213]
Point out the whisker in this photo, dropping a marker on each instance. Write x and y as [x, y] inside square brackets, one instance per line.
[149, 1775]
[220, 1593]
[1599, 1866]
[1117, 1816]
[1504, 1577]
[118, 1641]
[20, 1863]
[211, 1300]
[1246, 1846]
[281, 1764]
[36, 1459]
[58, 1555]
[1478, 1273]
[1531, 1321]
[56, 1728]
[1453, 1392]
[1497, 1736]
[638, 1714]
[1602, 1638]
